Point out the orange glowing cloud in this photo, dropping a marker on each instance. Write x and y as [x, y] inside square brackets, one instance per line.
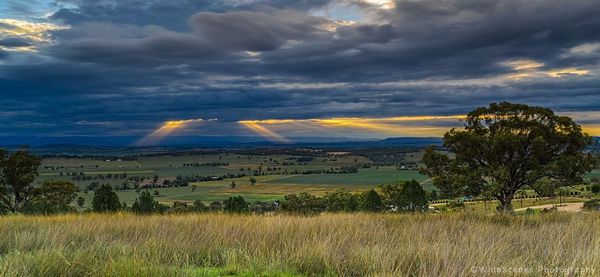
[379, 126]
[526, 69]
[33, 31]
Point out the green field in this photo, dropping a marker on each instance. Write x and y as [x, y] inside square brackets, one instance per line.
[269, 187]
[275, 187]
[366, 177]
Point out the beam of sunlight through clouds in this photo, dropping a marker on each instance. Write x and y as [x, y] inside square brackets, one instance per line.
[264, 131]
[166, 129]
[376, 127]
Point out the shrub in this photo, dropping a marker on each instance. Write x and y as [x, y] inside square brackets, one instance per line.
[235, 204]
[595, 188]
[592, 205]
[455, 205]
[145, 204]
[371, 201]
[261, 207]
[340, 200]
[215, 206]
[105, 199]
[408, 196]
[179, 207]
[199, 206]
[302, 203]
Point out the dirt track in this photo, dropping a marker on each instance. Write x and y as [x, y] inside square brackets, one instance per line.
[566, 207]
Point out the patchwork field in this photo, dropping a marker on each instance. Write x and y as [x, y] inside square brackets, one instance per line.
[284, 174]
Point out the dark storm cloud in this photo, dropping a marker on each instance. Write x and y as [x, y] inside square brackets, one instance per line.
[451, 38]
[255, 31]
[417, 39]
[14, 42]
[216, 37]
[129, 65]
[168, 13]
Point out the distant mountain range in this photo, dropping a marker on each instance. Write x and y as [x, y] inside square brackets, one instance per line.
[207, 141]
[75, 145]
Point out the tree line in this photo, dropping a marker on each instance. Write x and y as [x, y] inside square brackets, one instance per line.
[401, 197]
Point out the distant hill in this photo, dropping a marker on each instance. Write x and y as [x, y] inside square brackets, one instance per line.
[126, 145]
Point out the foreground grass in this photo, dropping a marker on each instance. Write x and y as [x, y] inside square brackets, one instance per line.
[279, 245]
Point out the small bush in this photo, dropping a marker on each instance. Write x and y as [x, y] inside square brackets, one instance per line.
[455, 205]
[592, 205]
[236, 204]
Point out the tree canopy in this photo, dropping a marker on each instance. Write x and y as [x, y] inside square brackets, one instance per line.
[408, 196]
[53, 197]
[105, 199]
[235, 204]
[145, 204]
[17, 173]
[505, 147]
[372, 201]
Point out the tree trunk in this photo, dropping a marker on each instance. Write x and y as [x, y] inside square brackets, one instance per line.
[505, 203]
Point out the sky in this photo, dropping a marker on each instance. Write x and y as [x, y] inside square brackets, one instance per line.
[289, 68]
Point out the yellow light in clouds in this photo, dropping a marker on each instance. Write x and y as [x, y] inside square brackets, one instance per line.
[29, 30]
[384, 4]
[592, 130]
[387, 125]
[519, 76]
[531, 69]
[166, 129]
[332, 26]
[263, 131]
[524, 64]
[353, 119]
[557, 73]
[19, 48]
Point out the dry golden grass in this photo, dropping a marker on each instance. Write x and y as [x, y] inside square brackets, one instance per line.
[281, 245]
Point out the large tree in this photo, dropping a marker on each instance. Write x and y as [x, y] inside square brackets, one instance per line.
[17, 173]
[505, 147]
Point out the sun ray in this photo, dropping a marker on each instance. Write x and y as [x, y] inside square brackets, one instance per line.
[398, 125]
[263, 131]
[164, 130]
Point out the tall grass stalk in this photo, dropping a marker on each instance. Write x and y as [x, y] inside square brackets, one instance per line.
[329, 244]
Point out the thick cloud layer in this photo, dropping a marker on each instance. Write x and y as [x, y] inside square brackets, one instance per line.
[124, 67]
